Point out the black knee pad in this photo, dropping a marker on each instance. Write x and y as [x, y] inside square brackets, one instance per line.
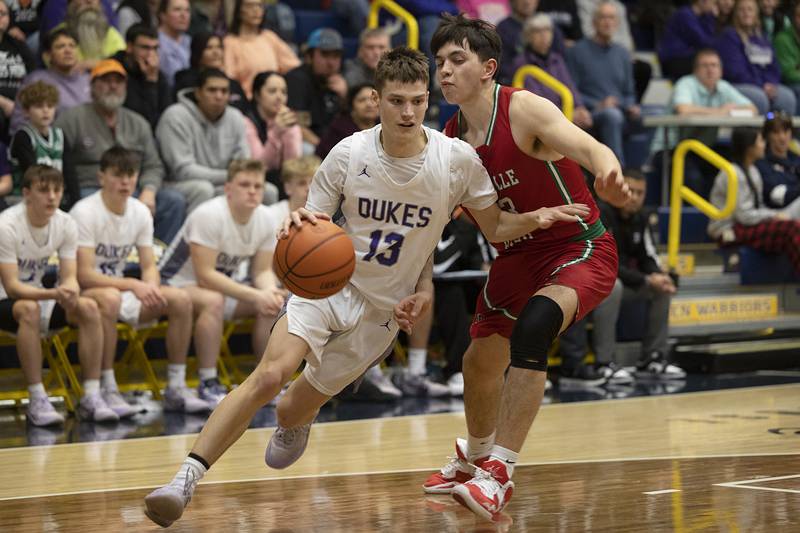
[536, 329]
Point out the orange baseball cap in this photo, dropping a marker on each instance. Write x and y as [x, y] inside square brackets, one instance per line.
[108, 66]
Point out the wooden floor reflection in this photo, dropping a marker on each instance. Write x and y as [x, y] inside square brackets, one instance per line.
[593, 496]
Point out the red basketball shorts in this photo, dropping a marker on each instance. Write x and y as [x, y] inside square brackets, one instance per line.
[589, 267]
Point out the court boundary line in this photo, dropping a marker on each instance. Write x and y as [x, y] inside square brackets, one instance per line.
[746, 484]
[448, 414]
[404, 471]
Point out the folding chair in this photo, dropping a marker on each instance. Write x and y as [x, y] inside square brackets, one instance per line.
[228, 368]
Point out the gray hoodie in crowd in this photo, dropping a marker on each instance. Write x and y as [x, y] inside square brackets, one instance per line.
[750, 209]
[193, 147]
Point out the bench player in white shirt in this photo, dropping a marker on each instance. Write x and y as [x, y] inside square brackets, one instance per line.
[296, 175]
[396, 185]
[111, 224]
[30, 233]
[221, 238]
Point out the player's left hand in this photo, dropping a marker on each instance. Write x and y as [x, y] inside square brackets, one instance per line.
[296, 218]
[410, 308]
[547, 216]
[67, 297]
[612, 188]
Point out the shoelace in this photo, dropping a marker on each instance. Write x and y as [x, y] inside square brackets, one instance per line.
[287, 436]
[485, 481]
[41, 403]
[450, 469]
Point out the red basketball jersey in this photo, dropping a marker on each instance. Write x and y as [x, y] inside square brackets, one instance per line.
[524, 183]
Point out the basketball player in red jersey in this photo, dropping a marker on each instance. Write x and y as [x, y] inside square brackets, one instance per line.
[539, 284]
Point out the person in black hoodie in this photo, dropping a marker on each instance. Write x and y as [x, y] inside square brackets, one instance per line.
[148, 91]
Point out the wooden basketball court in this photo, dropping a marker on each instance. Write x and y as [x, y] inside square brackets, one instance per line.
[723, 460]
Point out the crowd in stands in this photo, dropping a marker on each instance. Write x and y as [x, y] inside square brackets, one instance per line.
[168, 109]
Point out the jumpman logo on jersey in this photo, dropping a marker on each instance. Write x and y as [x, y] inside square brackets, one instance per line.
[364, 172]
[386, 325]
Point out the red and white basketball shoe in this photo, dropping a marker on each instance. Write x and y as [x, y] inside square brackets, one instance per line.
[489, 490]
[457, 471]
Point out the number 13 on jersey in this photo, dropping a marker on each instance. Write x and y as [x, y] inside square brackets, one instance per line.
[390, 256]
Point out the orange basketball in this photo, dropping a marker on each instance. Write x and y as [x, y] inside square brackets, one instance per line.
[316, 260]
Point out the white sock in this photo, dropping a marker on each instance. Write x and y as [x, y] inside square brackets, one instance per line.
[176, 376]
[37, 391]
[207, 373]
[107, 379]
[507, 456]
[416, 360]
[478, 447]
[91, 387]
[189, 464]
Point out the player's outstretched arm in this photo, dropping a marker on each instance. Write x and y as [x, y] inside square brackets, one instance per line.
[410, 308]
[543, 121]
[499, 226]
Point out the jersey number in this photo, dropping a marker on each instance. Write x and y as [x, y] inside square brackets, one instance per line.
[108, 268]
[389, 257]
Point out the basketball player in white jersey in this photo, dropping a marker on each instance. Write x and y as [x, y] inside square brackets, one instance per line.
[30, 233]
[111, 224]
[220, 238]
[396, 185]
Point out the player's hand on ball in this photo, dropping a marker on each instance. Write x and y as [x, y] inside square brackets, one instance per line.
[296, 218]
[547, 216]
[410, 308]
[612, 188]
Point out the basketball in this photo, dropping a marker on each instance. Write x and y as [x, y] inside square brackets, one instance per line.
[315, 261]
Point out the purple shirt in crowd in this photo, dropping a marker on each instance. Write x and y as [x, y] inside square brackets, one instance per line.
[685, 34]
[750, 62]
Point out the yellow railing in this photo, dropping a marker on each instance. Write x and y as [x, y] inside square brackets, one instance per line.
[680, 192]
[399, 12]
[567, 101]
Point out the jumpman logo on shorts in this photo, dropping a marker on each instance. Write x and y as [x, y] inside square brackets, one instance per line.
[386, 325]
[364, 172]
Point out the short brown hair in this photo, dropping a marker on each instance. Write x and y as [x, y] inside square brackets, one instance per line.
[125, 162]
[300, 167]
[38, 93]
[403, 65]
[238, 166]
[481, 36]
[42, 174]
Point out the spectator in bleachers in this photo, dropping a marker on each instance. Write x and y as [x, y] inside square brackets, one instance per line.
[642, 71]
[361, 113]
[250, 49]
[564, 14]
[130, 12]
[690, 29]
[510, 30]
[60, 49]
[641, 278]
[148, 92]
[30, 233]
[752, 222]
[55, 11]
[724, 14]
[175, 44]
[97, 38]
[205, 17]
[780, 168]
[91, 129]
[492, 11]
[219, 237]
[428, 14]
[111, 224]
[272, 130]
[354, 12]
[372, 43]
[750, 61]
[787, 50]
[16, 61]
[199, 136]
[25, 21]
[317, 88]
[538, 34]
[37, 142]
[603, 72]
[6, 182]
[773, 18]
[208, 52]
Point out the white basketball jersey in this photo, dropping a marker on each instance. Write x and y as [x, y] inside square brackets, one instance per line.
[212, 225]
[395, 225]
[31, 248]
[112, 236]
